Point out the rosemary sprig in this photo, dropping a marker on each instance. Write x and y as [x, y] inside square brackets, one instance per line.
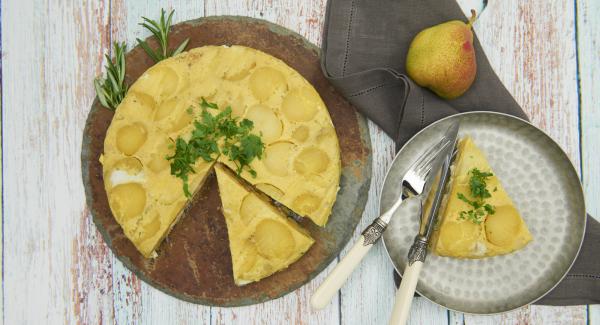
[161, 31]
[112, 88]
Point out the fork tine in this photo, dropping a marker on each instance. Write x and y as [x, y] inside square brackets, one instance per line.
[424, 171]
[421, 161]
[426, 161]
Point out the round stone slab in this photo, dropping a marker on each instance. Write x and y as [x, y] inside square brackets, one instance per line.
[545, 188]
[194, 262]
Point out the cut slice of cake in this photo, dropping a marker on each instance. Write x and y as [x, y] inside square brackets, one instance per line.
[477, 218]
[262, 240]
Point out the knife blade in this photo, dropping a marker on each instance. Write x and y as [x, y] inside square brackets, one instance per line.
[449, 137]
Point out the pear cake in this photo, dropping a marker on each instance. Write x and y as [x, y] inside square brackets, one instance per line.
[490, 224]
[262, 239]
[300, 166]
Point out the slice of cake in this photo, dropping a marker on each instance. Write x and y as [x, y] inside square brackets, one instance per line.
[478, 218]
[262, 240]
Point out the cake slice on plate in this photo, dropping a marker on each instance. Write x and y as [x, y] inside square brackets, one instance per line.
[477, 217]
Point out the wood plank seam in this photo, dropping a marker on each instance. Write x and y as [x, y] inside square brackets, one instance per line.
[1, 175]
[579, 112]
[580, 126]
[588, 62]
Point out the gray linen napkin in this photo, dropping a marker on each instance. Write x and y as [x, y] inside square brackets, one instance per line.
[363, 54]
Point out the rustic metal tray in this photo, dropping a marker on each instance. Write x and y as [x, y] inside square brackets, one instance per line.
[194, 263]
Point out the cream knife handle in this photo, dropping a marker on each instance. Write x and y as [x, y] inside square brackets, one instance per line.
[405, 293]
[336, 279]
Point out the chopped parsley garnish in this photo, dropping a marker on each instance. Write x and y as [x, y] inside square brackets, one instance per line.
[479, 191]
[477, 183]
[214, 135]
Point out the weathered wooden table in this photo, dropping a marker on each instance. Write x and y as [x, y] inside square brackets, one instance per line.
[56, 268]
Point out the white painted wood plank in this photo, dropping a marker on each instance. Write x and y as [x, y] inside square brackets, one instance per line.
[570, 315]
[534, 315]
[531, 46]
[136, 301]
[293, 308]
[56, 266]
[304, 17]
[367, 297]
[1, 213]
[425, 312]
[594, 314]
[589, 65]
[455, 318]
[588, 29]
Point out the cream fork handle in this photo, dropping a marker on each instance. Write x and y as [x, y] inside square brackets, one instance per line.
[336, 279]
[405, 293]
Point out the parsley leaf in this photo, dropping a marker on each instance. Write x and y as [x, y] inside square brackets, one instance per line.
[479, 191]
[205, 104]
[490, 209]
[477, 183]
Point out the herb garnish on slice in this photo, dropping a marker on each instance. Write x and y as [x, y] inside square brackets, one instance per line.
[214, 135]
[479, 191]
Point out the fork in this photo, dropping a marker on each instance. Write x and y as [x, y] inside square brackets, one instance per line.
[413, 185]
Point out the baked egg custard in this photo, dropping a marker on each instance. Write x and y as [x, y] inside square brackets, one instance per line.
[262, 240]
[477, 217]
[300, 166]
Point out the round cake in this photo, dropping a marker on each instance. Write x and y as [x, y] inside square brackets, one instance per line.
[299, 168]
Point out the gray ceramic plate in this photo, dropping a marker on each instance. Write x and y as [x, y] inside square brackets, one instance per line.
[545, 187]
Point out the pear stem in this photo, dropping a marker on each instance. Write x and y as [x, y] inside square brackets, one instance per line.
[473, 18]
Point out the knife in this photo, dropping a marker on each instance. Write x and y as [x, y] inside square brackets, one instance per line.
[418, 251]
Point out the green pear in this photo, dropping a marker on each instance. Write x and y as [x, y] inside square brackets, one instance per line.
[442, 58]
